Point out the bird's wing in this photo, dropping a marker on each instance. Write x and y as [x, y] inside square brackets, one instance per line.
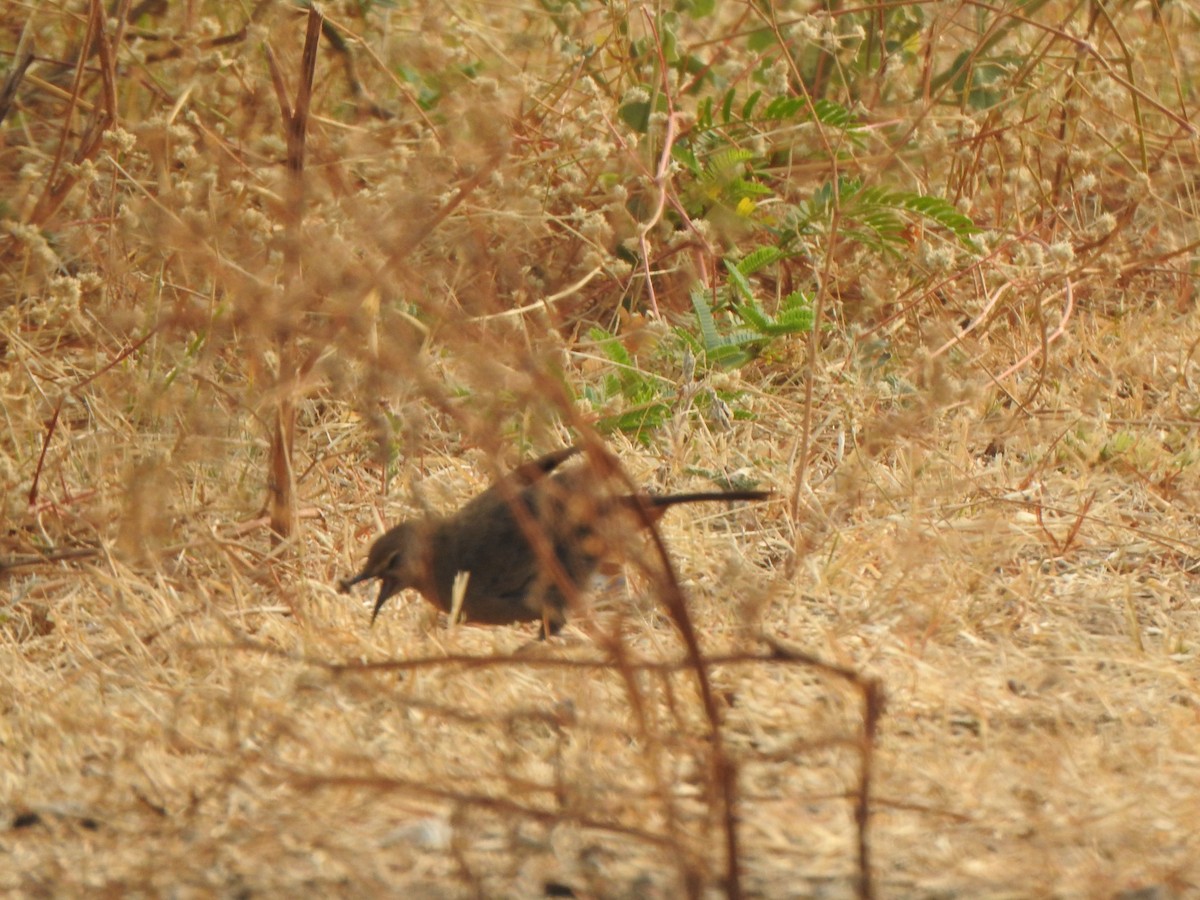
[503, 566]
[517, 484]
[533, 471]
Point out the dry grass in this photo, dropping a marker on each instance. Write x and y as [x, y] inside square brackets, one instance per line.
[986, 460]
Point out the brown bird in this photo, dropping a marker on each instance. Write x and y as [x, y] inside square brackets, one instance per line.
[570, 519]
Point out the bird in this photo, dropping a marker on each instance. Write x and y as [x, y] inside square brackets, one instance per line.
[510, 540]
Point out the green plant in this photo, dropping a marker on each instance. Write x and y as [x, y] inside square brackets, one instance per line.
[733, 327]
[873, 216]
[646, 398]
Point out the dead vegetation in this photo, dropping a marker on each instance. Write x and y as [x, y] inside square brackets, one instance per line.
[248, 318]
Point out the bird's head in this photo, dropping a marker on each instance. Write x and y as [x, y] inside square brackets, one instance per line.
[397, 559]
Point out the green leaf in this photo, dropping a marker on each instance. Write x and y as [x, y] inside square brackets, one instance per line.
[685, 156]
[636, 114]
[754, 316]
[727, 106]
[722, 163]
[760, 40]
[760, 258]
[739, 281]
[751, 101]
[784, 107]
[697, 9]
[704, 318]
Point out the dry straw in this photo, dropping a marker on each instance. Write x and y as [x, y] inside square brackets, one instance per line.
[272, 279]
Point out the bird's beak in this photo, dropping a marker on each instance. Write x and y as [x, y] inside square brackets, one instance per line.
[346, 583]
[387, 587]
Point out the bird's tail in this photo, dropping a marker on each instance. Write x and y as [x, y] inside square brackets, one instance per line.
[657, 504]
